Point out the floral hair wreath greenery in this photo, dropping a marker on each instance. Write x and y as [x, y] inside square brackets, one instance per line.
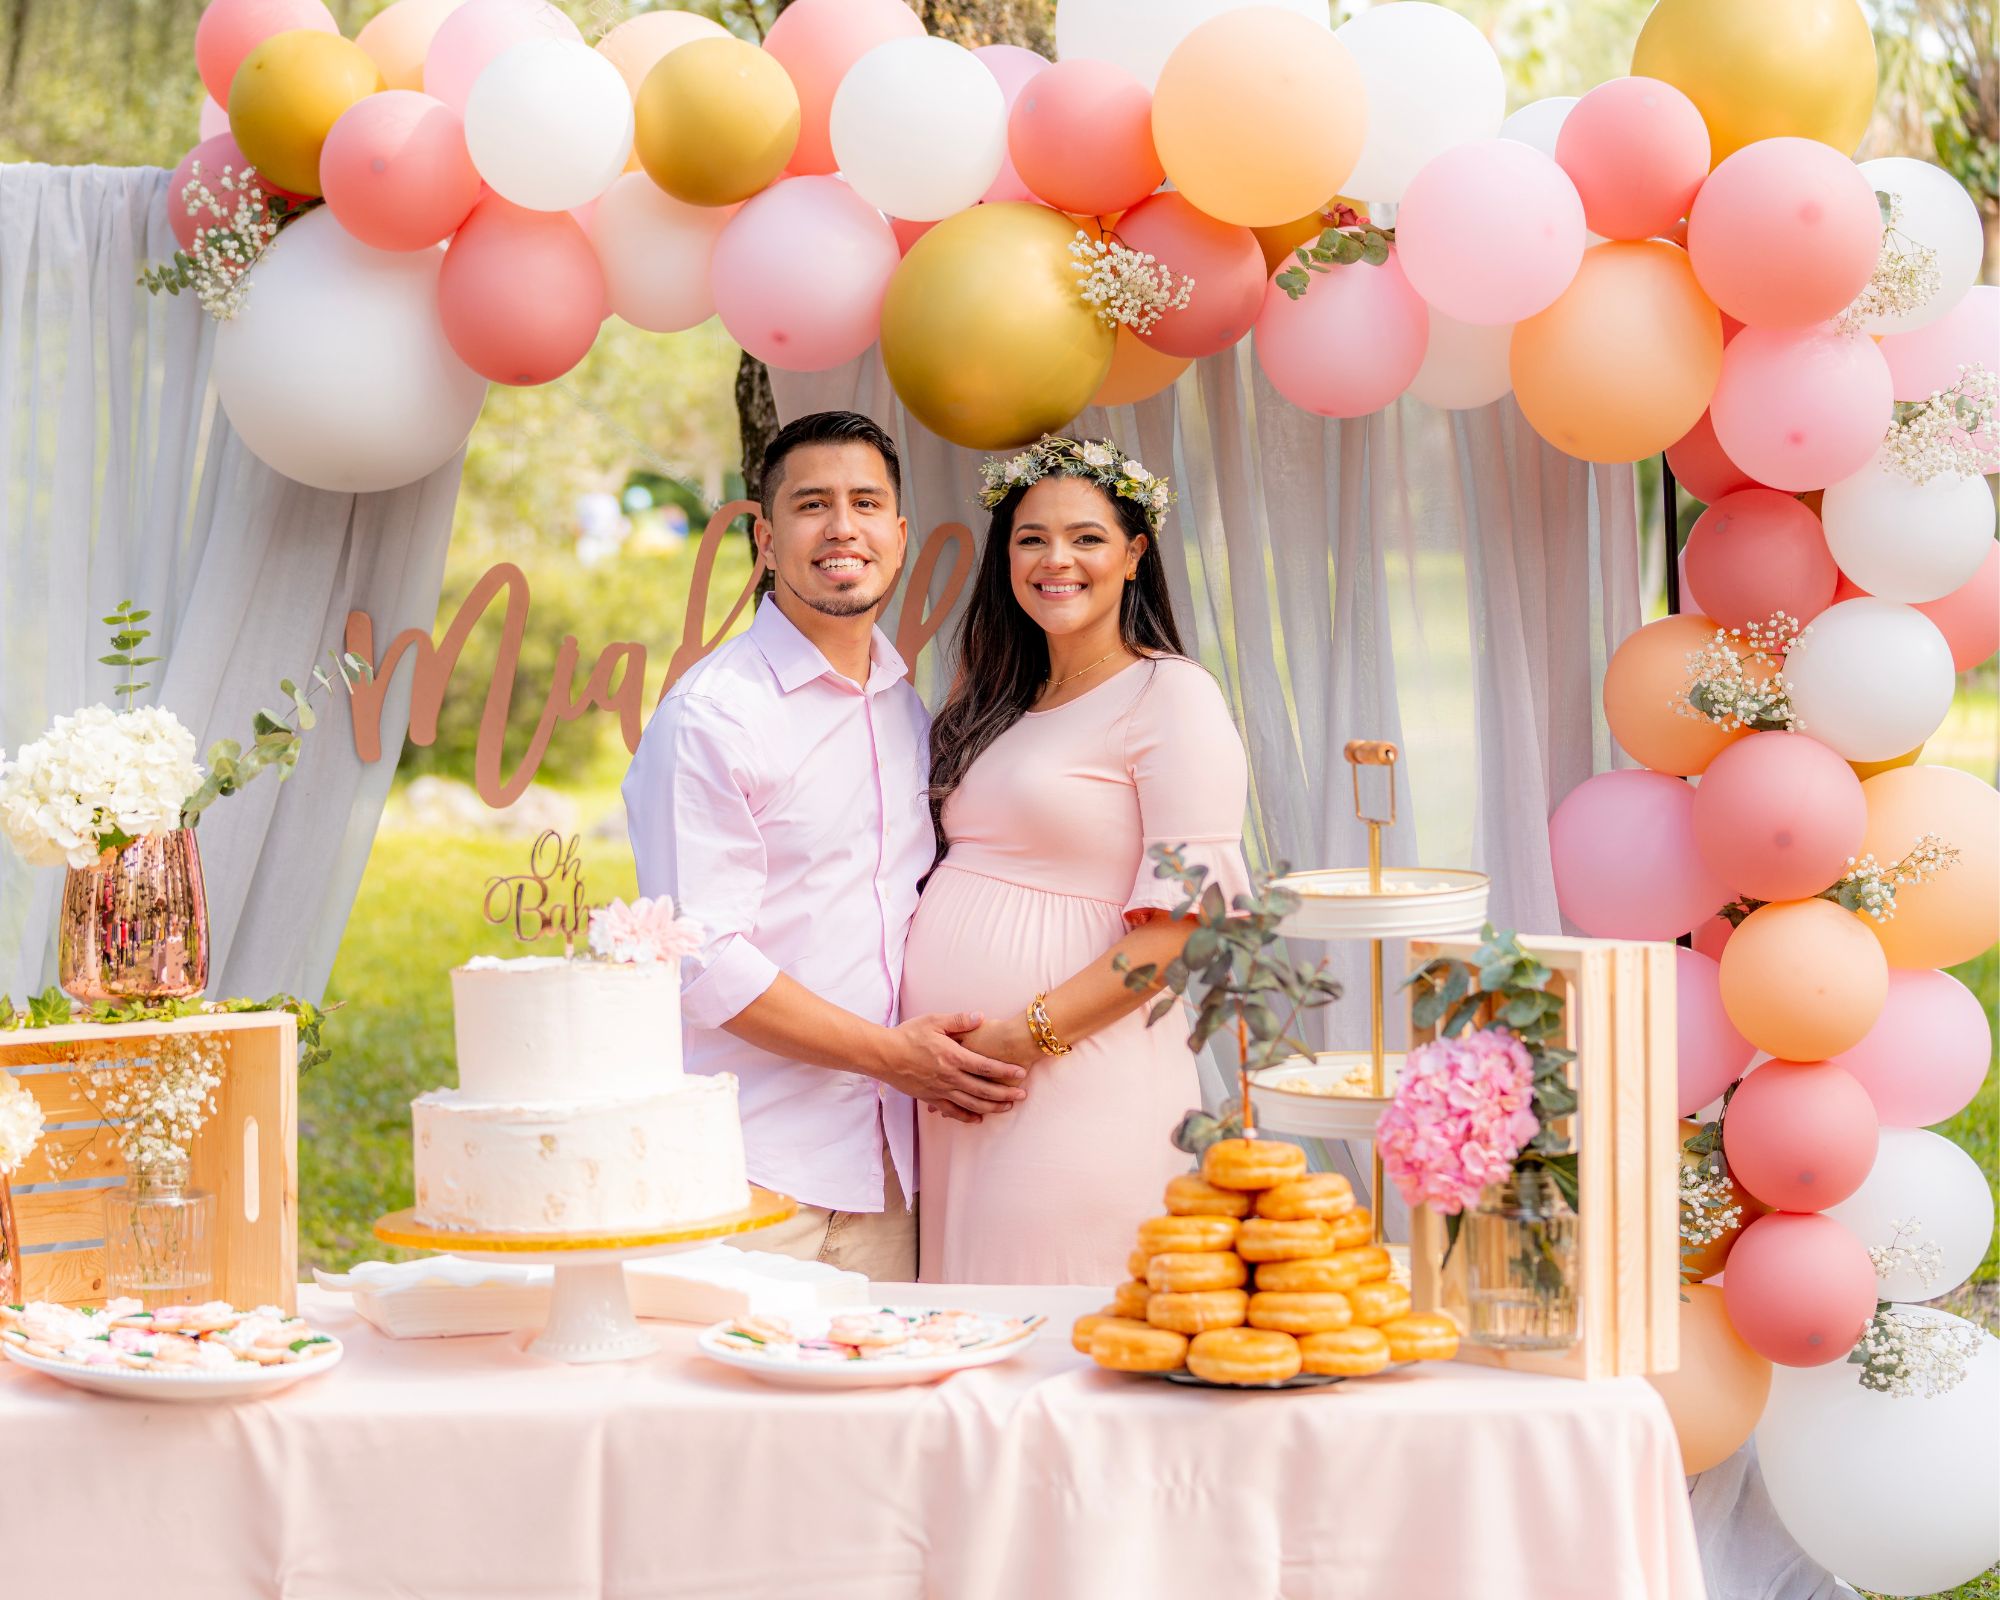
[1098, 460]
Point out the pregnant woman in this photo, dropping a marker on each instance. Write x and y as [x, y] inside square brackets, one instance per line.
[1076, 737]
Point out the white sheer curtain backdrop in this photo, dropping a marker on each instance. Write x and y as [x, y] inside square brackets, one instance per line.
[122, 479]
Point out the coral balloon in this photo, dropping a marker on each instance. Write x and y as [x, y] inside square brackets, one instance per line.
[1926, 1193]
[1701, 467]
[799, 273]
[215, 156]
[396, 171]
[1350, 346]
[1784, 233]
[521, 293]
[817, 42]
[1872, 679]
[1138, 372]
[1800, 1288]
[548, 124]
[1778, 816]
[1645, 683]
[1756, 552]
[1804, 67]
[1625, 361]
[1637, 150]
[655, 252]
[1712, 935]
[398, 37]
[1803, 979]
[1927, 359]
[1719, 1390]
[1955, 915]
[1490, 232]
[1081, 137]
[1969, 617]
[1623, 851]
[1139, 35]
[1710, 1052]
[1903, 540]
[1432, 82]
[1013, 68]
[230, 29]
[1222, 259]
[288, 94]
[1799, 408]
[1933, 212]
[1799, 1136]
[1465, 365]
[477, 34]
[919, 127]
[715, 122]
[983, 334]
[641, 43]
[1258, 114]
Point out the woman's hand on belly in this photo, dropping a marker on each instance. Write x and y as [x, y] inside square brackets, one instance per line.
[1004, 1039]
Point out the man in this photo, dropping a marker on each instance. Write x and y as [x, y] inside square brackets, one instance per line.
[779, 796]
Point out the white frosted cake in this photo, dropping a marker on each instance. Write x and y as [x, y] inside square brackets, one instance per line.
[572, 1113]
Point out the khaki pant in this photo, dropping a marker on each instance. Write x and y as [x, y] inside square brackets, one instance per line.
[881, 1245]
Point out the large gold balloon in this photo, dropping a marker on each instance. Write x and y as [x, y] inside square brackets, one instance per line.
[287, 96]
[983, 332]
[715, 121]
[1758, 70]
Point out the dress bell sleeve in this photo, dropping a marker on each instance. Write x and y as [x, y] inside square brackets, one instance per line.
[1186, 760]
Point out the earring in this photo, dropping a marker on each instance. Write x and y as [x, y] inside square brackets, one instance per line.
[1131, 573]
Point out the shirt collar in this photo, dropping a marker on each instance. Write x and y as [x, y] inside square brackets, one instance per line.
[797, 661]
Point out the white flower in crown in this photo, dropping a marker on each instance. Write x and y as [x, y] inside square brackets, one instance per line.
[1096, 460]
[645, 930]
[1095, 453]
[1136, 472]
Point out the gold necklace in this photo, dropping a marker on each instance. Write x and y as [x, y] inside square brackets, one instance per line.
[1057, 683]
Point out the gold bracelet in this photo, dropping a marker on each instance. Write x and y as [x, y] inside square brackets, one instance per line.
[1042, 1030]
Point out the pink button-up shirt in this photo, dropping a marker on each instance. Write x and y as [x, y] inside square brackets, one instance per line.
[783, 806]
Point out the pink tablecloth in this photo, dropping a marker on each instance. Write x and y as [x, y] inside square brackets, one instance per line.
[464, 1469]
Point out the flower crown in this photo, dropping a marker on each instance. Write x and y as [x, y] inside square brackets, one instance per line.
[1099, 460]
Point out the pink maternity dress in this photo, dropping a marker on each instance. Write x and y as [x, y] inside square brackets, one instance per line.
[1047, 868]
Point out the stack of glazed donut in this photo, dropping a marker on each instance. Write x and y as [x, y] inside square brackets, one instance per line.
[1258, 1272]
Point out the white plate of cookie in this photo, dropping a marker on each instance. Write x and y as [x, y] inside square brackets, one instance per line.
[183, 1353]
[867, 1347]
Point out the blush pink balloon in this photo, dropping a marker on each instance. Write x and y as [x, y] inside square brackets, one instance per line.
[1224, 260]
[1969, 617]
[470, 38]
[1777, 816]
[521, 293]
[215, 155]
[230, 29]
[800, 273]
[1710, 1053]
[1710, 938]
[1785, 233]
[1637, 151]
[1012, 68]
[213, 120]
[1625, 859]
[1799, 408]
[1082, 138]
[1927, 359]
[1490, 232]
[1351, 346]
[1755, 552]
[1702, 467]
[816, 42]
[1799, 1288]
[1800, 1136]
[395, 171]
[1926, 1057]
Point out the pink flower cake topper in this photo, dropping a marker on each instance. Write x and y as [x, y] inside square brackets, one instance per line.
[645, 930]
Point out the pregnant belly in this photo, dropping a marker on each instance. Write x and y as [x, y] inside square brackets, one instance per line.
[978, 944]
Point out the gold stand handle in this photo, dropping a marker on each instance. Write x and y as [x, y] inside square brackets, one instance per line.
[1374, 753]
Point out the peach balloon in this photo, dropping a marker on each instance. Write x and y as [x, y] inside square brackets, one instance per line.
[1969, 617]
[1637, 151]
[636, 45]
[1138, 372]
[1624, 362]
[1799, 408]
[1702, 467]
[215, 156]
[1756, 552]
[230, 29]
[1800, 1288]
[288, 94]
[1081, 138]
[1955, 915]
[817, 41]
[1646, 680]
[1350, 346]
[1778, 816]
[398, 37]
[1803, 979]
[521, 293]
[1223, 260]
[1800, 1136]
[396, 172]
[1717, 1394]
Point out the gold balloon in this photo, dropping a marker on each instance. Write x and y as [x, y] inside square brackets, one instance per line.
[1138, 372]
[1802, 67]
[1868, 769]
[287, 96]
[1705, 1261]
[715, 121]
[983, 332]
[1279, 242]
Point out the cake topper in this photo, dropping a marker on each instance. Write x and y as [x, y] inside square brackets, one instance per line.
[547, 897]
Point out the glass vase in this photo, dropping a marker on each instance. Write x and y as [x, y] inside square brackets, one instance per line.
[159, 1235]
[11, 1293]
[135, 923]
[1520, 1245]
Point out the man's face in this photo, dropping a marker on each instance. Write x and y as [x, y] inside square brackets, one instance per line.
[833, 537]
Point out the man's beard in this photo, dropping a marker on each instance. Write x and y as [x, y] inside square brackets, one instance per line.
[842, 605]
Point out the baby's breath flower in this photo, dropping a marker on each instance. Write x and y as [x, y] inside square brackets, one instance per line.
[1906, 273]
[1956, 431]
[1733, 680]
[240, 224]
[1126, 286]
[1908, 1251]
[1869, 889]
[1708, 1206]
[1913, 1357]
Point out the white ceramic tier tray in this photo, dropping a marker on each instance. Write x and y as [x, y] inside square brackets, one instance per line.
[1297, 1097]
[1414, 903]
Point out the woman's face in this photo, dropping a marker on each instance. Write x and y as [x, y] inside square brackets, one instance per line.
[1069, 557]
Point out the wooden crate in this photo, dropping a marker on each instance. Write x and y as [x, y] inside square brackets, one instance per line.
[1619, 1011]
[246, 1154]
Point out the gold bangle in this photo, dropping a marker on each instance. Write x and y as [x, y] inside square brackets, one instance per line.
[1042, 1030]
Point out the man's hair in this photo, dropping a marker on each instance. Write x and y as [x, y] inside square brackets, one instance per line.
[826, 427]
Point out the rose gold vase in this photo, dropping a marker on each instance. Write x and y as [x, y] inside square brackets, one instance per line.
[135, 924]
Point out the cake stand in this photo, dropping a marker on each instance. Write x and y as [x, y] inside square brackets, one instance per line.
[590, 1313]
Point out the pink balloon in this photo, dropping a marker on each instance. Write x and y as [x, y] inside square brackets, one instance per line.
[1701, 467]
[230, 29]
[1711, 936]
[1351, 346]
[395, 171]
[1800, 1136]
[520, 293]
[816, 41]
[1926, 1057]
[1755, 552]
[469, 39]
[1784, 233]
[1012, 68]
[1082, 139]
[1969, 617]
[1626, 864]
[1637, 151]
[1490, 232]
[1224, 260]
[800, 273]
[213, 120]
[1799, 1288]
[1799, 408]
[1710, 1052]
[1777, 816]
[1927, 359]
[215, 155]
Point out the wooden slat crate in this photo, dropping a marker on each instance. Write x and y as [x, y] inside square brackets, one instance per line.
[1619, 1011]
[246, 1154]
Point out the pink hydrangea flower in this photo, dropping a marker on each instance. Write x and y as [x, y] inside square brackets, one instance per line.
[645, 930]
[1463, 1112]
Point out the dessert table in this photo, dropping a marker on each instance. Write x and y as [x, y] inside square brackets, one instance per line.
[465, 1469]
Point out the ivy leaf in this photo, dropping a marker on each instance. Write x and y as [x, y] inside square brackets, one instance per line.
[50, 1009]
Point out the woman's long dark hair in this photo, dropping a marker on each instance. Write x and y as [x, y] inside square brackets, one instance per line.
[1003, 655]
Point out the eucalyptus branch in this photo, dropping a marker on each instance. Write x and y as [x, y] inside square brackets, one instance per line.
[277, 740]
[1348, 238]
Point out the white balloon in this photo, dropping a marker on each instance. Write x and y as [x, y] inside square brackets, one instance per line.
[1904, 540]
[1539, 122]
[919, 128]
[336, 371]
[1139, 35]
[1933, 209]
[1934, 1193]
[1433, 82]
[1465, 364]
[549, 124]
[655, 252]
[1899, 1494]
[1871, 679]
